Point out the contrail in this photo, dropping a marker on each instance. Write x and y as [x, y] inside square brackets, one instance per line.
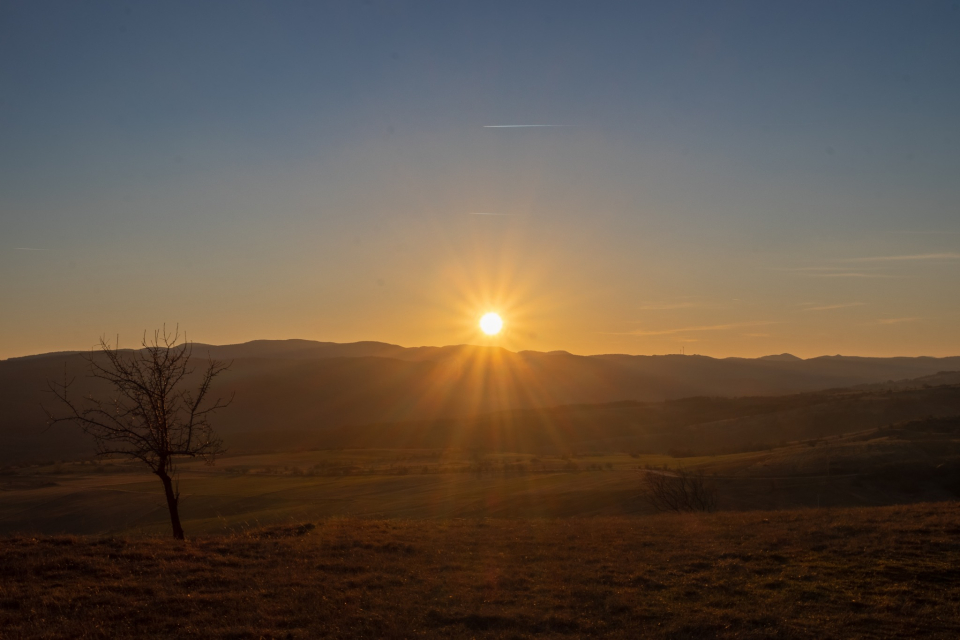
[27, 249]
[485, 213]
[521, 126]
[830, 307]
[922, 256]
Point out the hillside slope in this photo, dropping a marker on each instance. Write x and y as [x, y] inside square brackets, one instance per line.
[308, 387]
[688, 427]
[830, 573]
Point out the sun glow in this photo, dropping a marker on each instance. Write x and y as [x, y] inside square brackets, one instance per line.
[491, 324]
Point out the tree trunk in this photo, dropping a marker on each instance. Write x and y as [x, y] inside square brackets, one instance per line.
[172, 503]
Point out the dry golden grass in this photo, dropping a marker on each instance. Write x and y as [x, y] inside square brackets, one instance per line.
[839, 573]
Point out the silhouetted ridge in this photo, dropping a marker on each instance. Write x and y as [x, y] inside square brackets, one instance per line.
[306, 386]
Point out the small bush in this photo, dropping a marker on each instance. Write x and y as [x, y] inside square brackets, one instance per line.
[679, 491]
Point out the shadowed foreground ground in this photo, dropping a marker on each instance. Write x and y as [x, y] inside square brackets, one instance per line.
[874, 572]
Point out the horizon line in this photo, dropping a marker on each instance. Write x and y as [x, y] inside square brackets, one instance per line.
[467, 344]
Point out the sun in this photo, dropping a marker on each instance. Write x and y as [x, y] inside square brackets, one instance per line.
[491, 324]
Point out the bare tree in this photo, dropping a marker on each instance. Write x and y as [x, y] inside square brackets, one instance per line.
[157, 411]
[679, 491]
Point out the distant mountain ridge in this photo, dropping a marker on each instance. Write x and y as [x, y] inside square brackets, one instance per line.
[783, 357]
[302, 385]
[301, 348]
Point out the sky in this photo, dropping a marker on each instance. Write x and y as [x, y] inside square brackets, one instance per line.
[721, 178]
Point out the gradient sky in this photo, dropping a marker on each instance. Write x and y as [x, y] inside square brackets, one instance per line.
[730, 178]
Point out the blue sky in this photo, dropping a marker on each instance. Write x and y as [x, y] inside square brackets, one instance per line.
[732, 178]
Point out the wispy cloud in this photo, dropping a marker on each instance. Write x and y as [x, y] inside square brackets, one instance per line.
[851, 274]
[924, 232]
[712, 327]
[668, 306]
[908, 258]
[867, 267]
[805, 269]
[836, 272]
[830, 307]
[897, 320]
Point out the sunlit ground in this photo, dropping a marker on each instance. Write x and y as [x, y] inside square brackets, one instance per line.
[247, 491]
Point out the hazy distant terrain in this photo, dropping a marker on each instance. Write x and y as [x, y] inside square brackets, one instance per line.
[687, 427]
[372, 430]
[297, 393]
[880, 444]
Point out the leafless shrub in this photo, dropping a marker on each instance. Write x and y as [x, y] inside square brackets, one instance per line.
[151, 415]
[679, 491]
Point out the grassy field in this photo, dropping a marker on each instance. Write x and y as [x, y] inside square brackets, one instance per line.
[251, 491]
[452, 543]
[894, 465]
[830, 573]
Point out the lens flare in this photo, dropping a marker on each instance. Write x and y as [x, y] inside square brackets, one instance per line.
[491, 324]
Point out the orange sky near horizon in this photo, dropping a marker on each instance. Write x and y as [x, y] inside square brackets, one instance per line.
[537, 277]
[729, 180]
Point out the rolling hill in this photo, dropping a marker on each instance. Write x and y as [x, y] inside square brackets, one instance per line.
[290, 392]
[688, 427]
